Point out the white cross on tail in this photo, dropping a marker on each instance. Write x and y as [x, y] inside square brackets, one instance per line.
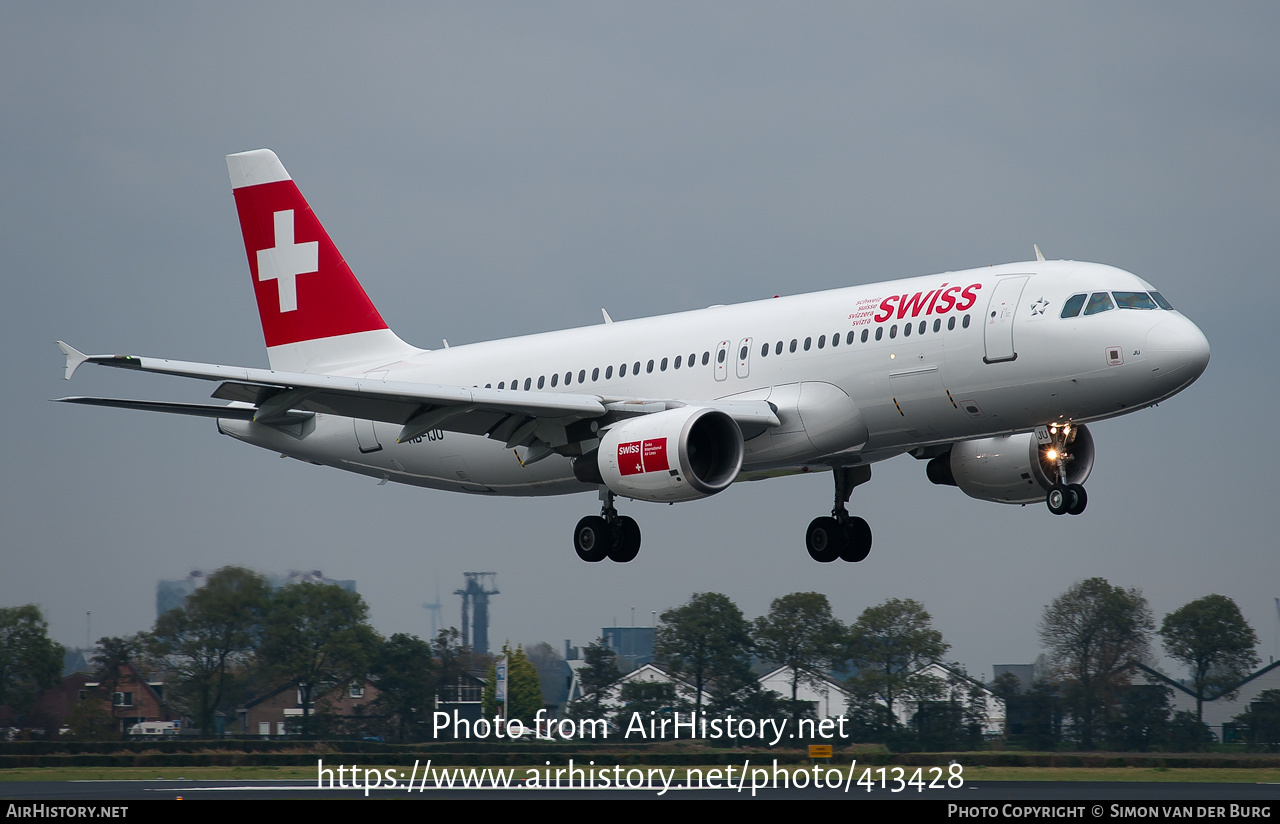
[286, 260]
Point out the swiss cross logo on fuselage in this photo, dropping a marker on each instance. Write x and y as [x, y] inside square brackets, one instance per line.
[643, 456]
[286, 260]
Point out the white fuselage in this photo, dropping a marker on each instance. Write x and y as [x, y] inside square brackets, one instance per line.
[987, 353]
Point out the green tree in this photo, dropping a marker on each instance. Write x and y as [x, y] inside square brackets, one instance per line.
[598, 672]
[113, 653]
[553, 673]
[453, 658]
[889, 644]
[1007, 687]
[645, 697]
[801, 634]
[407, 681]
[90, 720]
[524, 690]
[29, 661]
[207, 644]
[705, 640]
[1096, 635]
[1214, 640]
[1141, 720]
[1261, 721]
[317, 636]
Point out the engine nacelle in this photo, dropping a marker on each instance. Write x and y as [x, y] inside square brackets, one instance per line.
[1011, 469]
[677, 455]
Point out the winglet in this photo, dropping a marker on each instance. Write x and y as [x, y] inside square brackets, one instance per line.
[1039, 254]
[74, 359]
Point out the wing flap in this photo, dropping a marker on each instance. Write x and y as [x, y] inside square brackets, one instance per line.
[200, 410]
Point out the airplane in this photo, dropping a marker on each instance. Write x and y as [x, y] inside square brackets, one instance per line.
[989, 375]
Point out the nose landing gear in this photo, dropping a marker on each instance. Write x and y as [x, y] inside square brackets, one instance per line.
[1063, 498]
[607, 535]
[841, 535]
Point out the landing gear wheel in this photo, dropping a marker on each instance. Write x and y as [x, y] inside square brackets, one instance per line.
[1081, 499]
[626, 540]
[1059, 500]
[857, 540]
[592, 538]
[824, 539]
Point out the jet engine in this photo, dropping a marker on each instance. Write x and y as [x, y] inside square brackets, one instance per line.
[677, 455]
[1013, 469]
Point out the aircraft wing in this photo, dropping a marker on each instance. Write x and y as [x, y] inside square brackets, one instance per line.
[517, 418]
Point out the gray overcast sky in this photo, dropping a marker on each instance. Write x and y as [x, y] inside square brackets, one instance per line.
[497, 169]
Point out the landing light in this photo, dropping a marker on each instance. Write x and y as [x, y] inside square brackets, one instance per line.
[1052, 454]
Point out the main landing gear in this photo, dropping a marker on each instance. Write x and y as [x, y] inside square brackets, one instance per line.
[1063, 498]
[607, 535]
[841, 535]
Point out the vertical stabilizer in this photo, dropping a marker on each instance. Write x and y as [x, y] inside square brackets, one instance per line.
[315, 315]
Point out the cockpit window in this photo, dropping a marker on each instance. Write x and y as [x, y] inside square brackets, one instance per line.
[1161, 302]
[1134, 300]
[1072, 307]
[1099, 302]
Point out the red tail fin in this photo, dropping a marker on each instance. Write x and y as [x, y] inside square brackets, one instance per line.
[305, 290]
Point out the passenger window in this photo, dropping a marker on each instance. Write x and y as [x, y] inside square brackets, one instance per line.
[678, 358]
[893, 331]
[595, 374]
[649, 368]
[879, 332]
[608, 373]
[906, 330]
[835, 339]
[582, 375]
[622, 371]
[849, 337]
[706, 356]
[1098, 302]
[807, 343]
[1134, 300]
[923, 324]
[502, 384]
[662, 367]
[554, 380]
[777, 350]
[764, 351]
[951, 323]
[635, 368]
[865, 332]
[965, 324]
[937, 324]
[742, 353]
[794, 342]
[822, 341]
[1072, 307]
[528, 382]
[720, 356]
[541, 381]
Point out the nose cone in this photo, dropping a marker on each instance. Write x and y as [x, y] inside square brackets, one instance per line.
[1178, 353]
